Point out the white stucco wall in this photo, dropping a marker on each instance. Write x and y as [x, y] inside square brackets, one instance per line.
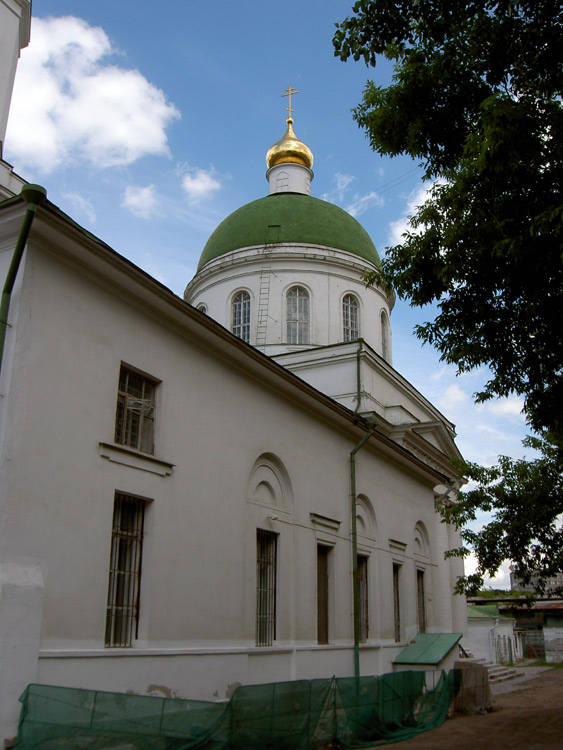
[218, 409]
[14, 34]
[326, 273]
[553, 639]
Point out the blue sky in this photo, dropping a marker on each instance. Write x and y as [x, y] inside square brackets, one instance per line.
[149, 123]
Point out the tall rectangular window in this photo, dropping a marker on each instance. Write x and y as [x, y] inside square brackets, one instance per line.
[397, 600]
[421, 601]
[134, 419]
[122, 617]
[266, 564]
[322, 593]
[363, 599]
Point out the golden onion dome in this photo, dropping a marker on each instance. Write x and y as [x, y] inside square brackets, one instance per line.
[289, 149]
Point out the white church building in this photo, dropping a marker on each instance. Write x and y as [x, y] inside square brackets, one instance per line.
[235, 487]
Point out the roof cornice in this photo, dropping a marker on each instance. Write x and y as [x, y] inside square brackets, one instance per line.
[56, 233]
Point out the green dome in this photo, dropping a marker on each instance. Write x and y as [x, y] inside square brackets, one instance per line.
[289, 217]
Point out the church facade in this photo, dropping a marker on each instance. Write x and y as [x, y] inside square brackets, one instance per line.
[232, 488]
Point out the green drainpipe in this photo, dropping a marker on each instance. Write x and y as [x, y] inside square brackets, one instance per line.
[355, 581]
[33, 195]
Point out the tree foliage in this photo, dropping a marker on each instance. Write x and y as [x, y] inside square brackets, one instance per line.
[525, 503]
[476, 98]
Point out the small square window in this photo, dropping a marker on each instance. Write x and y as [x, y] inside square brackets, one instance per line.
[134, 419]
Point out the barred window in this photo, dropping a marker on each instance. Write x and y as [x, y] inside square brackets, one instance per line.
[363, 598]
[134, 420]
[298, 316]
[122, 615]
[420, 601]
[322, 593]
[241, 316]
[350, 318]
[266, 564]
[397, 601]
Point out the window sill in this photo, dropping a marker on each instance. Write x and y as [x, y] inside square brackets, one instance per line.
[121, 454]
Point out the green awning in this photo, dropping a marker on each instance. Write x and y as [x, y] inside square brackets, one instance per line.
[428, 648]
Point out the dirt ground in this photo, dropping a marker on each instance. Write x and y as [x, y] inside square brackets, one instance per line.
[530, 717]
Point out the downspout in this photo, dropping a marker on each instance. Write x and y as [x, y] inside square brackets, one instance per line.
[358, 375]
[355, 581]
[33, 195]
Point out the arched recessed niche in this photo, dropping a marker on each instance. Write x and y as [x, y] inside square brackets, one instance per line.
[421, 541]
[269, 482]
[366, 526]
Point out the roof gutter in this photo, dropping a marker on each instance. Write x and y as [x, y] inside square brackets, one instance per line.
[33, 195]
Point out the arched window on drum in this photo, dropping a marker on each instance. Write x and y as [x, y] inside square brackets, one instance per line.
[241, 316]
[298, 316]
[350, 318]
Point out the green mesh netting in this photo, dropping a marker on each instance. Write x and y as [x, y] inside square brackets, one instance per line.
[353, 712]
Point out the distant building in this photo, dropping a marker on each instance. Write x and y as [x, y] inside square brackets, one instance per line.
[553, 584]
[490, 635]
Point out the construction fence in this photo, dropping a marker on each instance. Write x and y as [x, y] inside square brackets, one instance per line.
[350, 712]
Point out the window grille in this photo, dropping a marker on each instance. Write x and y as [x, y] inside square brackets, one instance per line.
[322, 594]
[350, 318]
[397, 601]
[363, 598]
[266, 563]
[134, 420]
[298, 316]
[241, 316]
[122, 617]
[421, 604]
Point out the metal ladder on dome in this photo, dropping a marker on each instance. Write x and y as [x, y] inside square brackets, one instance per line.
[263, 304]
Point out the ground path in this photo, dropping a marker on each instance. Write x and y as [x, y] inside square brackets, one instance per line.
[529, 717]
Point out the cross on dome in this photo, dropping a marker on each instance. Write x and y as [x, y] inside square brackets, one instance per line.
[289, 149]
[289, 91]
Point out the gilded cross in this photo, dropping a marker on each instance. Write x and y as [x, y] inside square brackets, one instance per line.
[290, 90]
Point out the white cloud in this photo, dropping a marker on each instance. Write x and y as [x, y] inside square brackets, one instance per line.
[441, 373]
[140, 201]
[199, 184]
[362, 203]
[400, 226]
[502, 578]
[505, 407]
[337, 195]
[500, 581]
[70, 104]
[356, 205]
[452, 396]
[81, 205]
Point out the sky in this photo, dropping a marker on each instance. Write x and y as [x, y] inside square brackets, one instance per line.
[149, 123]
